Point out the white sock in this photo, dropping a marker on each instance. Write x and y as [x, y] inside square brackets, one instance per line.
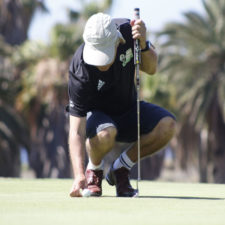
[123, 161]
[91, 166]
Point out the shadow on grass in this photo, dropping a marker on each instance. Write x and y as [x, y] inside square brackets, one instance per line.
[182, 197]
[172, 197]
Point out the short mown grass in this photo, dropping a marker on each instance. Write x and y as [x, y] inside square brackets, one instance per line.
[47, 202]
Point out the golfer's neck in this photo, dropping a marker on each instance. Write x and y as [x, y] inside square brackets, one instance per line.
[104, 68]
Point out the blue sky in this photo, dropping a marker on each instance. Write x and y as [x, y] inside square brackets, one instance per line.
[154, 13]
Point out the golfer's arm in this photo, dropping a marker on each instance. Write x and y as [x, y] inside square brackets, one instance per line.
[77, 144]
[149, 61]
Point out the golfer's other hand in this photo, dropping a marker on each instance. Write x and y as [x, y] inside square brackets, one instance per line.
[79, 183]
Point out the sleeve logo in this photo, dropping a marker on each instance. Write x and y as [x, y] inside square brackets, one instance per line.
[126, 58]
[71, 104]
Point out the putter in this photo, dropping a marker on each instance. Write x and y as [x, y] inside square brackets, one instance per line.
[137, 61]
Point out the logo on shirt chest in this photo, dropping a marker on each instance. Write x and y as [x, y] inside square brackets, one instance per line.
[100, 84]
[125, 58]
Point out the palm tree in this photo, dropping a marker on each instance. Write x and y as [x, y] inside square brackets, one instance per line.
[193, 56]
[15, 17]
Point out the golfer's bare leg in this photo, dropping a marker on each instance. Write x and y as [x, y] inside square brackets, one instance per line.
[155, 140]
[98, 146]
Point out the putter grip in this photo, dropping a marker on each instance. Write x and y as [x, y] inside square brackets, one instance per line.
[136, 13]
[137, 57]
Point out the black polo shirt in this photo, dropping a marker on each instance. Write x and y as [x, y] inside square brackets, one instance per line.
[112, 92]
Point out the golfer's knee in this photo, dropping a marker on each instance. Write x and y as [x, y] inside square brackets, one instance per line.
[105, 139]
[107, 135]
[167, 127]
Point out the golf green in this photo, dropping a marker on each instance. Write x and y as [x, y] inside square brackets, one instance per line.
[47, 202]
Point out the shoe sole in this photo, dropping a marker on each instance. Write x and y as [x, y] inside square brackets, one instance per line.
[109, 178]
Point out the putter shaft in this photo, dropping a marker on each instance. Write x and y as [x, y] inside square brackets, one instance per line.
[137, 61]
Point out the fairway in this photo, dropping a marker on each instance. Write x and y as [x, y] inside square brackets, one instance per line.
[46, 202]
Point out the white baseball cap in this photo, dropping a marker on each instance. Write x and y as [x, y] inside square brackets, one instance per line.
[101, 37]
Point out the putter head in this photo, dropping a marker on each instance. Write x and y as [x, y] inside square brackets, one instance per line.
[136, 195]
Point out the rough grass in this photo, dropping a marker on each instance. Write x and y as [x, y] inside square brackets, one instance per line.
[46, 202]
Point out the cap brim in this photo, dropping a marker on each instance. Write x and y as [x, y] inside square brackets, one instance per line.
[103, 55]
[99, 57]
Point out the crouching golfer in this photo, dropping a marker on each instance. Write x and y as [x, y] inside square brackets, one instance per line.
[102, 104]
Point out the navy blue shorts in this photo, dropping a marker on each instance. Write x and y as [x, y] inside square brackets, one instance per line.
[126, 124]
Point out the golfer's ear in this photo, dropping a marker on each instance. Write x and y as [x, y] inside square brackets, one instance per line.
[122, 40]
